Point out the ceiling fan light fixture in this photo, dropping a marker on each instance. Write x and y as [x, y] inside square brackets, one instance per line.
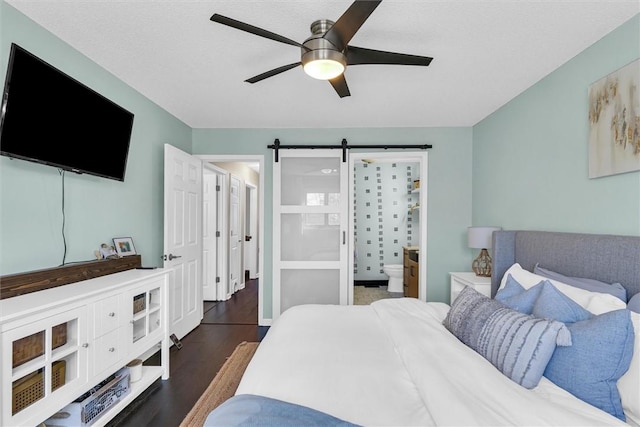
[323, 64]
[324, 54]
[324, 69]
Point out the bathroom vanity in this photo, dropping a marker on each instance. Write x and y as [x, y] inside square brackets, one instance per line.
[410, 264]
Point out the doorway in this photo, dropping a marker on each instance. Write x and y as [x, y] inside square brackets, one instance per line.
[387, 229]
[248, 217]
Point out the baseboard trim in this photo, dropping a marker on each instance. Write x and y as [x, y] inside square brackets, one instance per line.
[370, 283]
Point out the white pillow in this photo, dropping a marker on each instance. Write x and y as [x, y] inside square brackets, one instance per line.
[629, 383]
[595, 302]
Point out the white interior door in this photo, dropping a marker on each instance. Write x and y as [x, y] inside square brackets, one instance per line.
[310, 228]
[210, 235]
[183, 238]
[251, 234]
[235, 234]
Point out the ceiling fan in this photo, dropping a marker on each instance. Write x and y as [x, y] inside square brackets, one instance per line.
[326, 53]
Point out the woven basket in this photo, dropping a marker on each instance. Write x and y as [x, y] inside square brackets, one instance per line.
[139, 303]
[30, 389]
[28, 348]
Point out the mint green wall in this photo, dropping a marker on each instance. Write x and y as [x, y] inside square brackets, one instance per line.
[530, 158]
[97, 209]
[448, 185]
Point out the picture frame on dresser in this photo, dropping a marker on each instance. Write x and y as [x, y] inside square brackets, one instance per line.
[124, 246]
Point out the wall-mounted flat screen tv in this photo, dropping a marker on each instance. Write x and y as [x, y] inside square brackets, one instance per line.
[48, 117]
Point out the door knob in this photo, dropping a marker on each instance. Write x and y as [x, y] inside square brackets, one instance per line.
[172, 256]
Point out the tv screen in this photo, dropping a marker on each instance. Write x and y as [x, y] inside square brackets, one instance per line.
[50, 118]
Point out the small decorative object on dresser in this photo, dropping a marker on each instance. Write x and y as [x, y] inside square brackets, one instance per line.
[124, 246]
[460, 280]
[480, 238]
[107, 252]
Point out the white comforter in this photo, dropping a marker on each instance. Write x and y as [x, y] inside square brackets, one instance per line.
[393, 364]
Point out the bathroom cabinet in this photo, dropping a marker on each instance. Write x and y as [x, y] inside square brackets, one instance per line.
[410, 277]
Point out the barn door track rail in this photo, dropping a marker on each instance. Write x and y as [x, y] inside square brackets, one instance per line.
[344, 146]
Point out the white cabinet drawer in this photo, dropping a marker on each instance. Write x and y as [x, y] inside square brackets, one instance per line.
[107, 315]
[108, 351]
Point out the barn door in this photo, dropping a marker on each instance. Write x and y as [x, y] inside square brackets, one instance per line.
[310, 229]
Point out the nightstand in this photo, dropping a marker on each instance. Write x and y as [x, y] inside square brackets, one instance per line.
[460, 280]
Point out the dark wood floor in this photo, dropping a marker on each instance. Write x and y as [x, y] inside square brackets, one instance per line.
[224, 325]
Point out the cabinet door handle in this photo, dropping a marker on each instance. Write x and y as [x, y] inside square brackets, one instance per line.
[85, 345]
[112, 349]
[112, 314]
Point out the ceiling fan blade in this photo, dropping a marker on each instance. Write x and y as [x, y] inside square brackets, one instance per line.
[351, 20]
[272, 73]
[340, 85]
[361, 55]
[253, 30]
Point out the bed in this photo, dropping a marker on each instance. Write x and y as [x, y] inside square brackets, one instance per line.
[405, 362]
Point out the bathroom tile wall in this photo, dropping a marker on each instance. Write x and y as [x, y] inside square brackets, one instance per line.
[383, 221]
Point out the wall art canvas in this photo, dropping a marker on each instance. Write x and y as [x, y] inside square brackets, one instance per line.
[614, 122]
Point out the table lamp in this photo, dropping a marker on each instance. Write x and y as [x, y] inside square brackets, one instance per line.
[480, 238]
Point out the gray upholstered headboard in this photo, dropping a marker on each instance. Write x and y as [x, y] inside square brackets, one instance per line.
[607, 258]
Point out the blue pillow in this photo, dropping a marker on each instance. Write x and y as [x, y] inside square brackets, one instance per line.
[601, 352]
[553, 304]
[615, 289]
[514, 296]
[519, 345]
[634, 303]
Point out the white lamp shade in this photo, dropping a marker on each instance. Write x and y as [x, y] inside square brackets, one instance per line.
[480, 237]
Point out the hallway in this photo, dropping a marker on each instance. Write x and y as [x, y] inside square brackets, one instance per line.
[240, 309]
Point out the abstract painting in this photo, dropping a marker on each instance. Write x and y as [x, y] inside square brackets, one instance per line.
[614, 122]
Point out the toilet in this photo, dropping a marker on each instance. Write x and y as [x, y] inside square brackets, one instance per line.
[395, 273]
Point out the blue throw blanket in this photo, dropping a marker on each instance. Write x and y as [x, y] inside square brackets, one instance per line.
[252, 410]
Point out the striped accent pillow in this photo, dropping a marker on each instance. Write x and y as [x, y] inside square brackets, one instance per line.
[519, 345]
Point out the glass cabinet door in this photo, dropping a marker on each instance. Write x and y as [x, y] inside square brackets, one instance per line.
[145, 309]
[46, 355]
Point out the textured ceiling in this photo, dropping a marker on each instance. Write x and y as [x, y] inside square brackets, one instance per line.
[485, 53]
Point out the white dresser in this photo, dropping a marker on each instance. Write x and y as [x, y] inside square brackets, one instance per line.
[460, 280]
[59, 343]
